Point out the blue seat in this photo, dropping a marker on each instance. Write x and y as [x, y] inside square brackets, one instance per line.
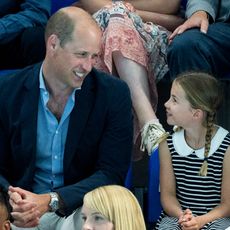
[154, 204]
[57, 4]
[129, 179]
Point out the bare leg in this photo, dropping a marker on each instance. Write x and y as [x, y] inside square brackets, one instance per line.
[136, 77]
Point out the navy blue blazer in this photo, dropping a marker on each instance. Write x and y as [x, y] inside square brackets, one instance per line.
[99, 139]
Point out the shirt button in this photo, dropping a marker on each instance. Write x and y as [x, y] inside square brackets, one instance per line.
[55, 157]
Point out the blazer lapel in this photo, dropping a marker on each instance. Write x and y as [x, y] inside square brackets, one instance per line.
[28, 116]
[84, 99]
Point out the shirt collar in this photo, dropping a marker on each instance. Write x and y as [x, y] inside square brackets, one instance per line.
[183, 149]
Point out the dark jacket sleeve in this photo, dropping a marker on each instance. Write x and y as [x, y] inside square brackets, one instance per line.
[32, 13]
[4, 145]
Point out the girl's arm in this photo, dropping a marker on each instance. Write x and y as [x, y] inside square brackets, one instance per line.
[222, 210]
[169, 201]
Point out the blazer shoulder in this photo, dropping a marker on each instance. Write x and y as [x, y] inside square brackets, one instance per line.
[12, 83]
[108, 81]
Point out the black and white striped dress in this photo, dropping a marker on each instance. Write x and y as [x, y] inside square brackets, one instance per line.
[198, 193]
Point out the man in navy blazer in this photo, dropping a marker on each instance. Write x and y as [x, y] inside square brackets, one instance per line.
[65, 128]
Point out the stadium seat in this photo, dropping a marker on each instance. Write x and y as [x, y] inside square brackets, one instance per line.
[57, 4]
[154, 204]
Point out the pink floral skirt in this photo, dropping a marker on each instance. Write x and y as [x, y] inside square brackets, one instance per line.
[144, 43]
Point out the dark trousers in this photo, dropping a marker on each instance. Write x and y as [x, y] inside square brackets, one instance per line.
[194, 51]
[26, 49]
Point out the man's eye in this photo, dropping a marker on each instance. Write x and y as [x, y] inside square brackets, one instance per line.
[81, 54]
[95, 56]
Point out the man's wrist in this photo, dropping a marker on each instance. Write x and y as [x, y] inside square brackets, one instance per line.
[201, 13]
[54, 202]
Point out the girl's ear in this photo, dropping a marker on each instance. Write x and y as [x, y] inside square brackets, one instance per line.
[198, 114]
[6, 225]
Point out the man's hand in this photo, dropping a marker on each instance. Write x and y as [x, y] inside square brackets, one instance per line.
[27, 207]
[25, 214]
[198, 19]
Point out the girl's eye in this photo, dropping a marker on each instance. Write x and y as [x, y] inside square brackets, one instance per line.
[173, 99]
[98, 218]
[83, 218]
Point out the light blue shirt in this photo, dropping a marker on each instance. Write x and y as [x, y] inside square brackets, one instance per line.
[51, 138]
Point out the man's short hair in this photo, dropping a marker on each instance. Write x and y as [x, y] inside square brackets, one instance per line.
[61, 25]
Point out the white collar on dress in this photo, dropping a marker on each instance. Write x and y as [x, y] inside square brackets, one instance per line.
[183, 149]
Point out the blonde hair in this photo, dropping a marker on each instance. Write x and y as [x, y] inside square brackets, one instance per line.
[118, 205]
[203, 92]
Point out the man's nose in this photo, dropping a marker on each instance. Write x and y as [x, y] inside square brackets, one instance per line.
[87, 64]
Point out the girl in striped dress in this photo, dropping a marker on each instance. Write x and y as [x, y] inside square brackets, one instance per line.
[195, 159]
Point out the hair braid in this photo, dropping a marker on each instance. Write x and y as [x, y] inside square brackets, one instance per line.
[176, 128]
[208, 138]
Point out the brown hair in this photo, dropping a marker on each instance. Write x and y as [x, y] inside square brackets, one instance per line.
[203, 92]
[61, 25]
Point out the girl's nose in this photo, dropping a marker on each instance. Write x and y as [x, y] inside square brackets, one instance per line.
[166, 103]
[87, 226]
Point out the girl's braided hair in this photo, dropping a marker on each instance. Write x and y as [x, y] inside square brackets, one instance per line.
[203, 92]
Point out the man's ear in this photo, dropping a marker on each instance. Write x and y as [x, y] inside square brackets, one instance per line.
[6, 225]
[53, 42]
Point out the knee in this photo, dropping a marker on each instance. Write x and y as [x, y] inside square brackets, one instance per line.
[183, 43]
[192, 44]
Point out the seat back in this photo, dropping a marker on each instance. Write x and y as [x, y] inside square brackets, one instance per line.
[57, 4]
[154, 204]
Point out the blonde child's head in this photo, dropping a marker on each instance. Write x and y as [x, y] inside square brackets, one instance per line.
[118, 205]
